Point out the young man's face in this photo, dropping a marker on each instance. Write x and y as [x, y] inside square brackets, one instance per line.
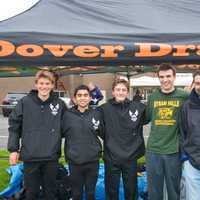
[82, 98]
[120, 92]
[44, 87]
[166, 79]
[197, 84]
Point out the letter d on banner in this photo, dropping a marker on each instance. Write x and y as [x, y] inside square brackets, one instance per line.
[146, 49]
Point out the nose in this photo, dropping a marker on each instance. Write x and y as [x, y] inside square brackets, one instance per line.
[165, 79]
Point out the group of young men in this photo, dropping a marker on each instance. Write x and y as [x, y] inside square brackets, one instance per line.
[40, 121]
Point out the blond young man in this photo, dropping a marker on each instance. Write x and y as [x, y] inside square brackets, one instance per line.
[35, 136]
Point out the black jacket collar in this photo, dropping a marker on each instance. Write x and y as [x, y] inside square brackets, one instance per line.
[114, 102]
[34, 95]
[194, 97]
[75, 110]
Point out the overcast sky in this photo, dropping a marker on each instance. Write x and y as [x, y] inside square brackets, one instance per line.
[10, 8]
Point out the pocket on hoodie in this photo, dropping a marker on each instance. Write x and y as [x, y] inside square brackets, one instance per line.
[83, 151]
[40, 145]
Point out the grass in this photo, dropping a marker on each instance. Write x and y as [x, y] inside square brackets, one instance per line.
[4, 154]
[141, 161]
[4, 177]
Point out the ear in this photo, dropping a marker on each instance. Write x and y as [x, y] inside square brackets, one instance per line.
[113, 93]
[74, 100]
[35, 85]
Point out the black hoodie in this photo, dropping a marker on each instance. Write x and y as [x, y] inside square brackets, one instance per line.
[123, 125]
[37, 124]
[190, 129]
[81, 131]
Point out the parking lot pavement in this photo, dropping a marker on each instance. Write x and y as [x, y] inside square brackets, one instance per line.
[3, 132]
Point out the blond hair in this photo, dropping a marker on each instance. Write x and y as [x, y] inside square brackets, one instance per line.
[120, 81]
[45, 74]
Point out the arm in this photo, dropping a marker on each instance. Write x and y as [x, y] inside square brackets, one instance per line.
[182, 125]
[101, 130]
[148, 112]
[64, 109]
[15, 129]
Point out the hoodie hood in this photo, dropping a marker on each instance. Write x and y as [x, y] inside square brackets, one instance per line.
[34, 95]
[75, 110]
[194, 97]
[114, 102]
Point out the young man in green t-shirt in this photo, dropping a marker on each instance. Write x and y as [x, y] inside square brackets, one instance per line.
[162, 157]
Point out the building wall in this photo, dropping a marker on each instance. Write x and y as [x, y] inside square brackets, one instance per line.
[103, 81]
[68, 83]
[23, 84]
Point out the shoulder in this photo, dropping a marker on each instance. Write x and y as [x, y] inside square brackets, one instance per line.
[182, 93]
[105, 105]
[60, 102]
[138, 105]
[67, 113]
[155, 93]
[26, 100]
[186, 103]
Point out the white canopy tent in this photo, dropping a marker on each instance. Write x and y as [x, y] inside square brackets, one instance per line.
[182, 79]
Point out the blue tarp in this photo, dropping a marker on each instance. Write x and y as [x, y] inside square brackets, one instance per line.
[16, 173]
[15, 184]
[142, 185]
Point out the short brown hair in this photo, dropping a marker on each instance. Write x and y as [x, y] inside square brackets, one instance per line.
[196, 73]
[120, 81]
[45, 74]
[165, 67]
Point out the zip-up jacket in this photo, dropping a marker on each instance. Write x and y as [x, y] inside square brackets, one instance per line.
[37, 124]
[190, 129]
[123, 125]
[81, 131]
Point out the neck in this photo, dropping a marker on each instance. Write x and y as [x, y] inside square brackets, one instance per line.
[43, 98]
[82, 109]
[198, 92]
[168, 91]
[120, 101]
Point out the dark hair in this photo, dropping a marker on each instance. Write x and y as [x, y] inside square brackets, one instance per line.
[165, 67]
[196, 73]
[81, 87]
[120, 81]
[137, 92]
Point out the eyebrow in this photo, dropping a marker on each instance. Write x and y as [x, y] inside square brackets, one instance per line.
[168, 75]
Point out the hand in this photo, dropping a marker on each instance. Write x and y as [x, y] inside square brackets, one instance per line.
[14, 157]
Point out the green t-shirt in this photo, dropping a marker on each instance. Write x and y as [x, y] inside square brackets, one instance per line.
[163, 111]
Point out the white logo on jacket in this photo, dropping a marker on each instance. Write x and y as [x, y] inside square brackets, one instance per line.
[95, 123]
[54, 109]
[133, 115]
